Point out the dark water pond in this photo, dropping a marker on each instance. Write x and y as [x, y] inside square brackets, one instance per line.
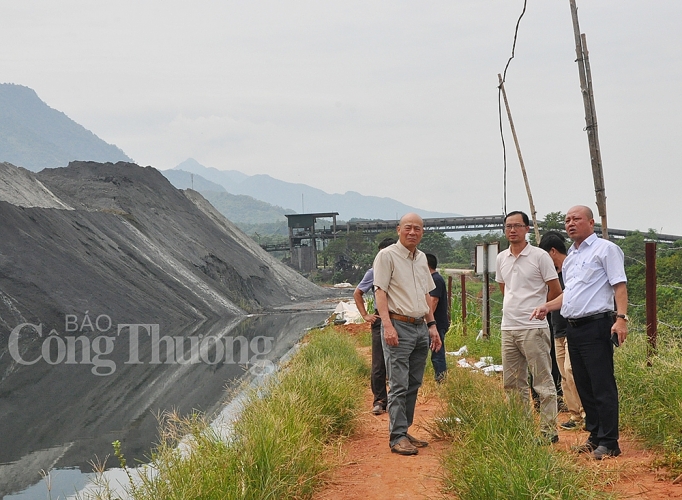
[81, 408]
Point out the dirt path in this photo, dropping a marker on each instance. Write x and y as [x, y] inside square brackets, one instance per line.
[369, 470]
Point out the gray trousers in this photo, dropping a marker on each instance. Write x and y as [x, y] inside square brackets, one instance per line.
[405, 369]
[529, 349]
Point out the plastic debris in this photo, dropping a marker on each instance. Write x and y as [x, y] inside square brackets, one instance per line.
[489, 370]
[463, 363]
[462, 351]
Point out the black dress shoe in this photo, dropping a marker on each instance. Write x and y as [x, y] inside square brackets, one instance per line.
[602, 452]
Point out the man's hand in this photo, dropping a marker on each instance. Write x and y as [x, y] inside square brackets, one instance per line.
[390, 334]
[620, 328]
[539, 312]
[370, 318]
[436, 344]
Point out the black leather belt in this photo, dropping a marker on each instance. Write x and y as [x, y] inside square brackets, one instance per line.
[406, 319]
[588, 319]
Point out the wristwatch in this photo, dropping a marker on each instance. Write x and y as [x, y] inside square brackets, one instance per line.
[623, 316]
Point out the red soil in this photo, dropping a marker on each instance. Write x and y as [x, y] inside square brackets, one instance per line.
[368, 470]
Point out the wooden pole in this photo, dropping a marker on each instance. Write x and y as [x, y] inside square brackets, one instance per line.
[449, 292]
[651, 306]
[486, 294]
[463, 281]
[523, 167]
[590, 118]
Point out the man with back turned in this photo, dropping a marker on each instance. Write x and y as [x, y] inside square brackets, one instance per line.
[378, 373]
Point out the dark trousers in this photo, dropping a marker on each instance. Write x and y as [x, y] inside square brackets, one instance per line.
[378, 376]
[591, 352]
[438, 359]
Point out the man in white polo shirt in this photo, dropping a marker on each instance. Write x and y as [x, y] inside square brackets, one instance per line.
[527, 278]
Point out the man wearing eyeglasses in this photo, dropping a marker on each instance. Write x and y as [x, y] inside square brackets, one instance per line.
[527, 278]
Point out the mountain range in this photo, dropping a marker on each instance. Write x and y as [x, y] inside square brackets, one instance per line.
[35, 136]
[300, 197]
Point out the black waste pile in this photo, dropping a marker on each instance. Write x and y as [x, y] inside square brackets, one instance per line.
[88, 248]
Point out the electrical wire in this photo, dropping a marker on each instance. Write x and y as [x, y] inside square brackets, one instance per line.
[499, 107]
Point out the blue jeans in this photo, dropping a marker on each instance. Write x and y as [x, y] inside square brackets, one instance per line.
[405, 365]
[438, 359]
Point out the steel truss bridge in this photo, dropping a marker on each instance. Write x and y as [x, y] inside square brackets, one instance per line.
[481, 223]
[478, 223]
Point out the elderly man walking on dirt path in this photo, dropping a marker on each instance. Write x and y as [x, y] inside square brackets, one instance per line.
[402, 283]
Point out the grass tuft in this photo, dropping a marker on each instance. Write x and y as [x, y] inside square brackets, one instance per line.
[277, 449]
[495, 453]
[651, 396]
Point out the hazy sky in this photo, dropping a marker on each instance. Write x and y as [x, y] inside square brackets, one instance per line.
[388, 98]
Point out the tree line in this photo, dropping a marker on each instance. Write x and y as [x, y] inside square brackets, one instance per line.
[349, 256]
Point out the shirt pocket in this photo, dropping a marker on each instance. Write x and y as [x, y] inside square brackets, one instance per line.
[590, 271]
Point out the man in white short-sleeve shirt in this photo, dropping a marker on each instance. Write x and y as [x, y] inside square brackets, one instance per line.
[527, 278]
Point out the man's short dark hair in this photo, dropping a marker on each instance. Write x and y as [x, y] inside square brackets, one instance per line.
[553, 239]
[526, 220]
[432, 260]
[386, 242]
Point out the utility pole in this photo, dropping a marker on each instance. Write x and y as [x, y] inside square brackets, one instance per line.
[585, 74]
[533, 213]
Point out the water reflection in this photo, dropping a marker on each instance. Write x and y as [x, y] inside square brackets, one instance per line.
[62, 416]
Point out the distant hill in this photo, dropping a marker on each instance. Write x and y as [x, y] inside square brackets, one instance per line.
[35, 136]
[182, 179]
[242, 208]
[287, 194]
[238, 208]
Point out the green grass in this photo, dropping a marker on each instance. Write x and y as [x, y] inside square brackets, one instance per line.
[279, 444]
[651, 396]
[495, 454]
[490, 457]
[277, 449]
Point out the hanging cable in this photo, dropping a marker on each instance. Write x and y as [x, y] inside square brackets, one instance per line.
[499, 107]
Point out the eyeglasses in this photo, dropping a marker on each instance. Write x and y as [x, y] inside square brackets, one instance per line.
[509, 227]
